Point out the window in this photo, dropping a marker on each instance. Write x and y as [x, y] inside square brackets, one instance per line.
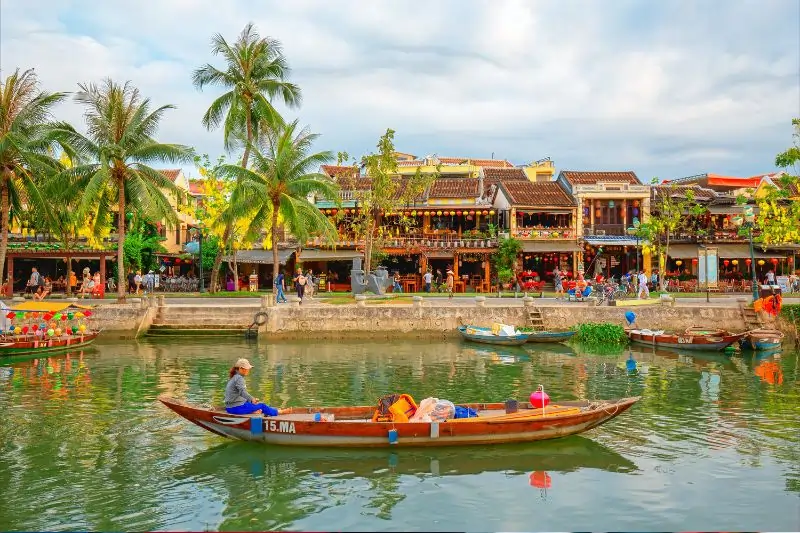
[177, 235]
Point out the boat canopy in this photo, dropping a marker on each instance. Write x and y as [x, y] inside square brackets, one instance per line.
[48, 306]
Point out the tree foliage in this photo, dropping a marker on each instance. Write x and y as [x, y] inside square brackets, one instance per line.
[114, 159]
[778, 215]
[382, 192]
[505, 257]
[275, 190]
[673, 209]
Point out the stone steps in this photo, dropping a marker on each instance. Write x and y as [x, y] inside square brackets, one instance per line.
[164, 330]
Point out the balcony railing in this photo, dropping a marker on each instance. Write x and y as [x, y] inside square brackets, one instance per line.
[439, 241]
[604, 229]
[712, 236]
[546, 234]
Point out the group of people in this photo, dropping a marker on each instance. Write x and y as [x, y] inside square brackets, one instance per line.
[640, 281]
[41, 286]
[449, 281]
[304, 285]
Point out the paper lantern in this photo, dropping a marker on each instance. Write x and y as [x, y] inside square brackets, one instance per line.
[679, 262]
[611, 204]
[51, 332]
[58, 332]
[598, 213]
[491, 212]
[438, 213]
[177, 261]
[82, 327]
[774, 261]
[10, 316]
[35, 327]
[334, 211]
[458, 213]
[327, 211]
[694, 261]
[485, 212]
[635, 212]
[87, 313]
[452, 213]
[726, 262]
[735, 262]
[636, 203]
[761, 262]
[17, 330]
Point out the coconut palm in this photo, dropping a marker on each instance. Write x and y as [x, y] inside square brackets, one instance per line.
[254, 74]
[117, 150]
[275, 189]
[26, 142]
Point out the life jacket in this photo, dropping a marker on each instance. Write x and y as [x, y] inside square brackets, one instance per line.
[395, 408]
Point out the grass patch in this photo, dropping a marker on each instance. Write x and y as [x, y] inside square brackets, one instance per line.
[601, 337]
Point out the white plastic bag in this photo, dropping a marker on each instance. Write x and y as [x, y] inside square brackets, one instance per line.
[444, 410]
[424, 410]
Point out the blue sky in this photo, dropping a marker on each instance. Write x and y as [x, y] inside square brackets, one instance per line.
[665, 89]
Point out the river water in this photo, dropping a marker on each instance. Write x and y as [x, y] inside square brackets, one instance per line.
[713, 445]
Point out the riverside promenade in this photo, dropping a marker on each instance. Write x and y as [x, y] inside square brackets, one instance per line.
[339, 316]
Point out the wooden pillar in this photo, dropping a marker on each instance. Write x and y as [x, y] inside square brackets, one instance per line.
[10, 277]
[487, 272]
[624, 214]
[102, 269]
[455, 266]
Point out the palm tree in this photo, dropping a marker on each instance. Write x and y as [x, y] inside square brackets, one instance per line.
[275, 190]
[255, 73]
[119, 147]
[26, 140]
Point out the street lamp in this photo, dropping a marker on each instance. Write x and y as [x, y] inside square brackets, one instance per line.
[633, 231]
[747, 222]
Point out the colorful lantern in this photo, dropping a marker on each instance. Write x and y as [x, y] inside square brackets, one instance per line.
[438, 213]
[598, 213]
[726, 262]
[635, 212]
[327, 211]
[761, 262]
[636, 203]
[774, 261]
[491, 212]
[485, 212]
[413, 213]
[452, 213]
[735, 262]
[458, 213]
[748, 261]
[611, 204]
[694, 261]
[679, 262]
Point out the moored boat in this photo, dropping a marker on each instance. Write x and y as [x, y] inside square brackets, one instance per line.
[488, 336]
[710, 340]
[34, 328]
[550, 336]
[353, 427]
[762, 339]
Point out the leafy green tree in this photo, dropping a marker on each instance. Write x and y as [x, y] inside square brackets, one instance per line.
[505, 257]
[142, 244]
[673, 208]
[254, 74]
[115, 158]
[778, 215]
[384, 193]
[26, 140]
[275, 189]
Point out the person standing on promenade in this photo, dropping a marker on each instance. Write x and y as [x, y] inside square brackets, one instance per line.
[558, 283]
[237, 400]
[310, 284]
[428, 277]
[451, 278]
[643, 285]
[280, 287]
[300, 284]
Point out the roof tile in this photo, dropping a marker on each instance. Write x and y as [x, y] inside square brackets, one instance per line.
[543, 193]
[171, 173]
[454, 188]
[591, 178]
[335, 171]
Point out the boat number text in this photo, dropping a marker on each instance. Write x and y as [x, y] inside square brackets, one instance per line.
[685, 340]
[279, 426]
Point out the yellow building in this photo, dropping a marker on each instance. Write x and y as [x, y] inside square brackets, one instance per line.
[178, 235]
[466, 167]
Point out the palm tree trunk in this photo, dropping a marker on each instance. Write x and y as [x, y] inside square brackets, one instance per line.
[276, 267]
[4, 228]
[121, 243]
[226, 235]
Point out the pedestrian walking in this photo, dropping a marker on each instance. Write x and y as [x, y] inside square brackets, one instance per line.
[451, 278]
[300, 284]
[643, 285]
[280, 287]
[428, 277]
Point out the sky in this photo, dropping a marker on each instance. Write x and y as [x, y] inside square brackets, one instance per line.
[666, 89]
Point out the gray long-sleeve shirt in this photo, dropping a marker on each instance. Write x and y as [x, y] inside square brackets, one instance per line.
[236, 392]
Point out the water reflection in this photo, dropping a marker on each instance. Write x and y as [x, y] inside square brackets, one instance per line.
[248, 471]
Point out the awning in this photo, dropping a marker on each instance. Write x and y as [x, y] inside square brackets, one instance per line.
[259, 257]
[611, 240]
[550, 246]
[329, 255]
[48, 306]
[726, 251]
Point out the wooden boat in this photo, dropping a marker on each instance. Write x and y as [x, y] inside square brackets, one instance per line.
[485, 335]
[31, 339]
[684, 341]
[352, 427]
[762, 339]
[550, 336]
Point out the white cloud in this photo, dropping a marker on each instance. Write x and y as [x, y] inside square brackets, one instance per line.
[666, 90]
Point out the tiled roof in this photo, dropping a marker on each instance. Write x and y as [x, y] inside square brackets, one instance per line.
[196, 188]
[590, 178]
[171, 173]
[411, 163]
[528, 193]
[336, 171]
[700, 193]
[491, 163]
[454, 188]
[360, 183]
[792, 188]
[494, 174]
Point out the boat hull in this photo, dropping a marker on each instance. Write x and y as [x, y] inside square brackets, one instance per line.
[34, 347]
[550, 336]
[496, 340]
[296, 427]
[685, 341]
[762, 340]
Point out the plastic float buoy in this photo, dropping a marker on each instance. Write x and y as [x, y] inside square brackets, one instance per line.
[539, 398]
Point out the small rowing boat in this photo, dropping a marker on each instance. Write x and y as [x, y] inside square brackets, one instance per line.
[33, 328]
[692, 339]
[550, 336]
[488, 336]
[761, 339]
[353, 427]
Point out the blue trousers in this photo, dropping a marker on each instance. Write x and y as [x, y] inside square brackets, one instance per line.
[280, 297]
[246, 408]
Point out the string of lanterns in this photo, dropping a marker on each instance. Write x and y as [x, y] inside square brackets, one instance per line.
[415, 213]
[47, 323]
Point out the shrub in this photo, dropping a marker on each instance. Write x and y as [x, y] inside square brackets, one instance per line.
[601, 336]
